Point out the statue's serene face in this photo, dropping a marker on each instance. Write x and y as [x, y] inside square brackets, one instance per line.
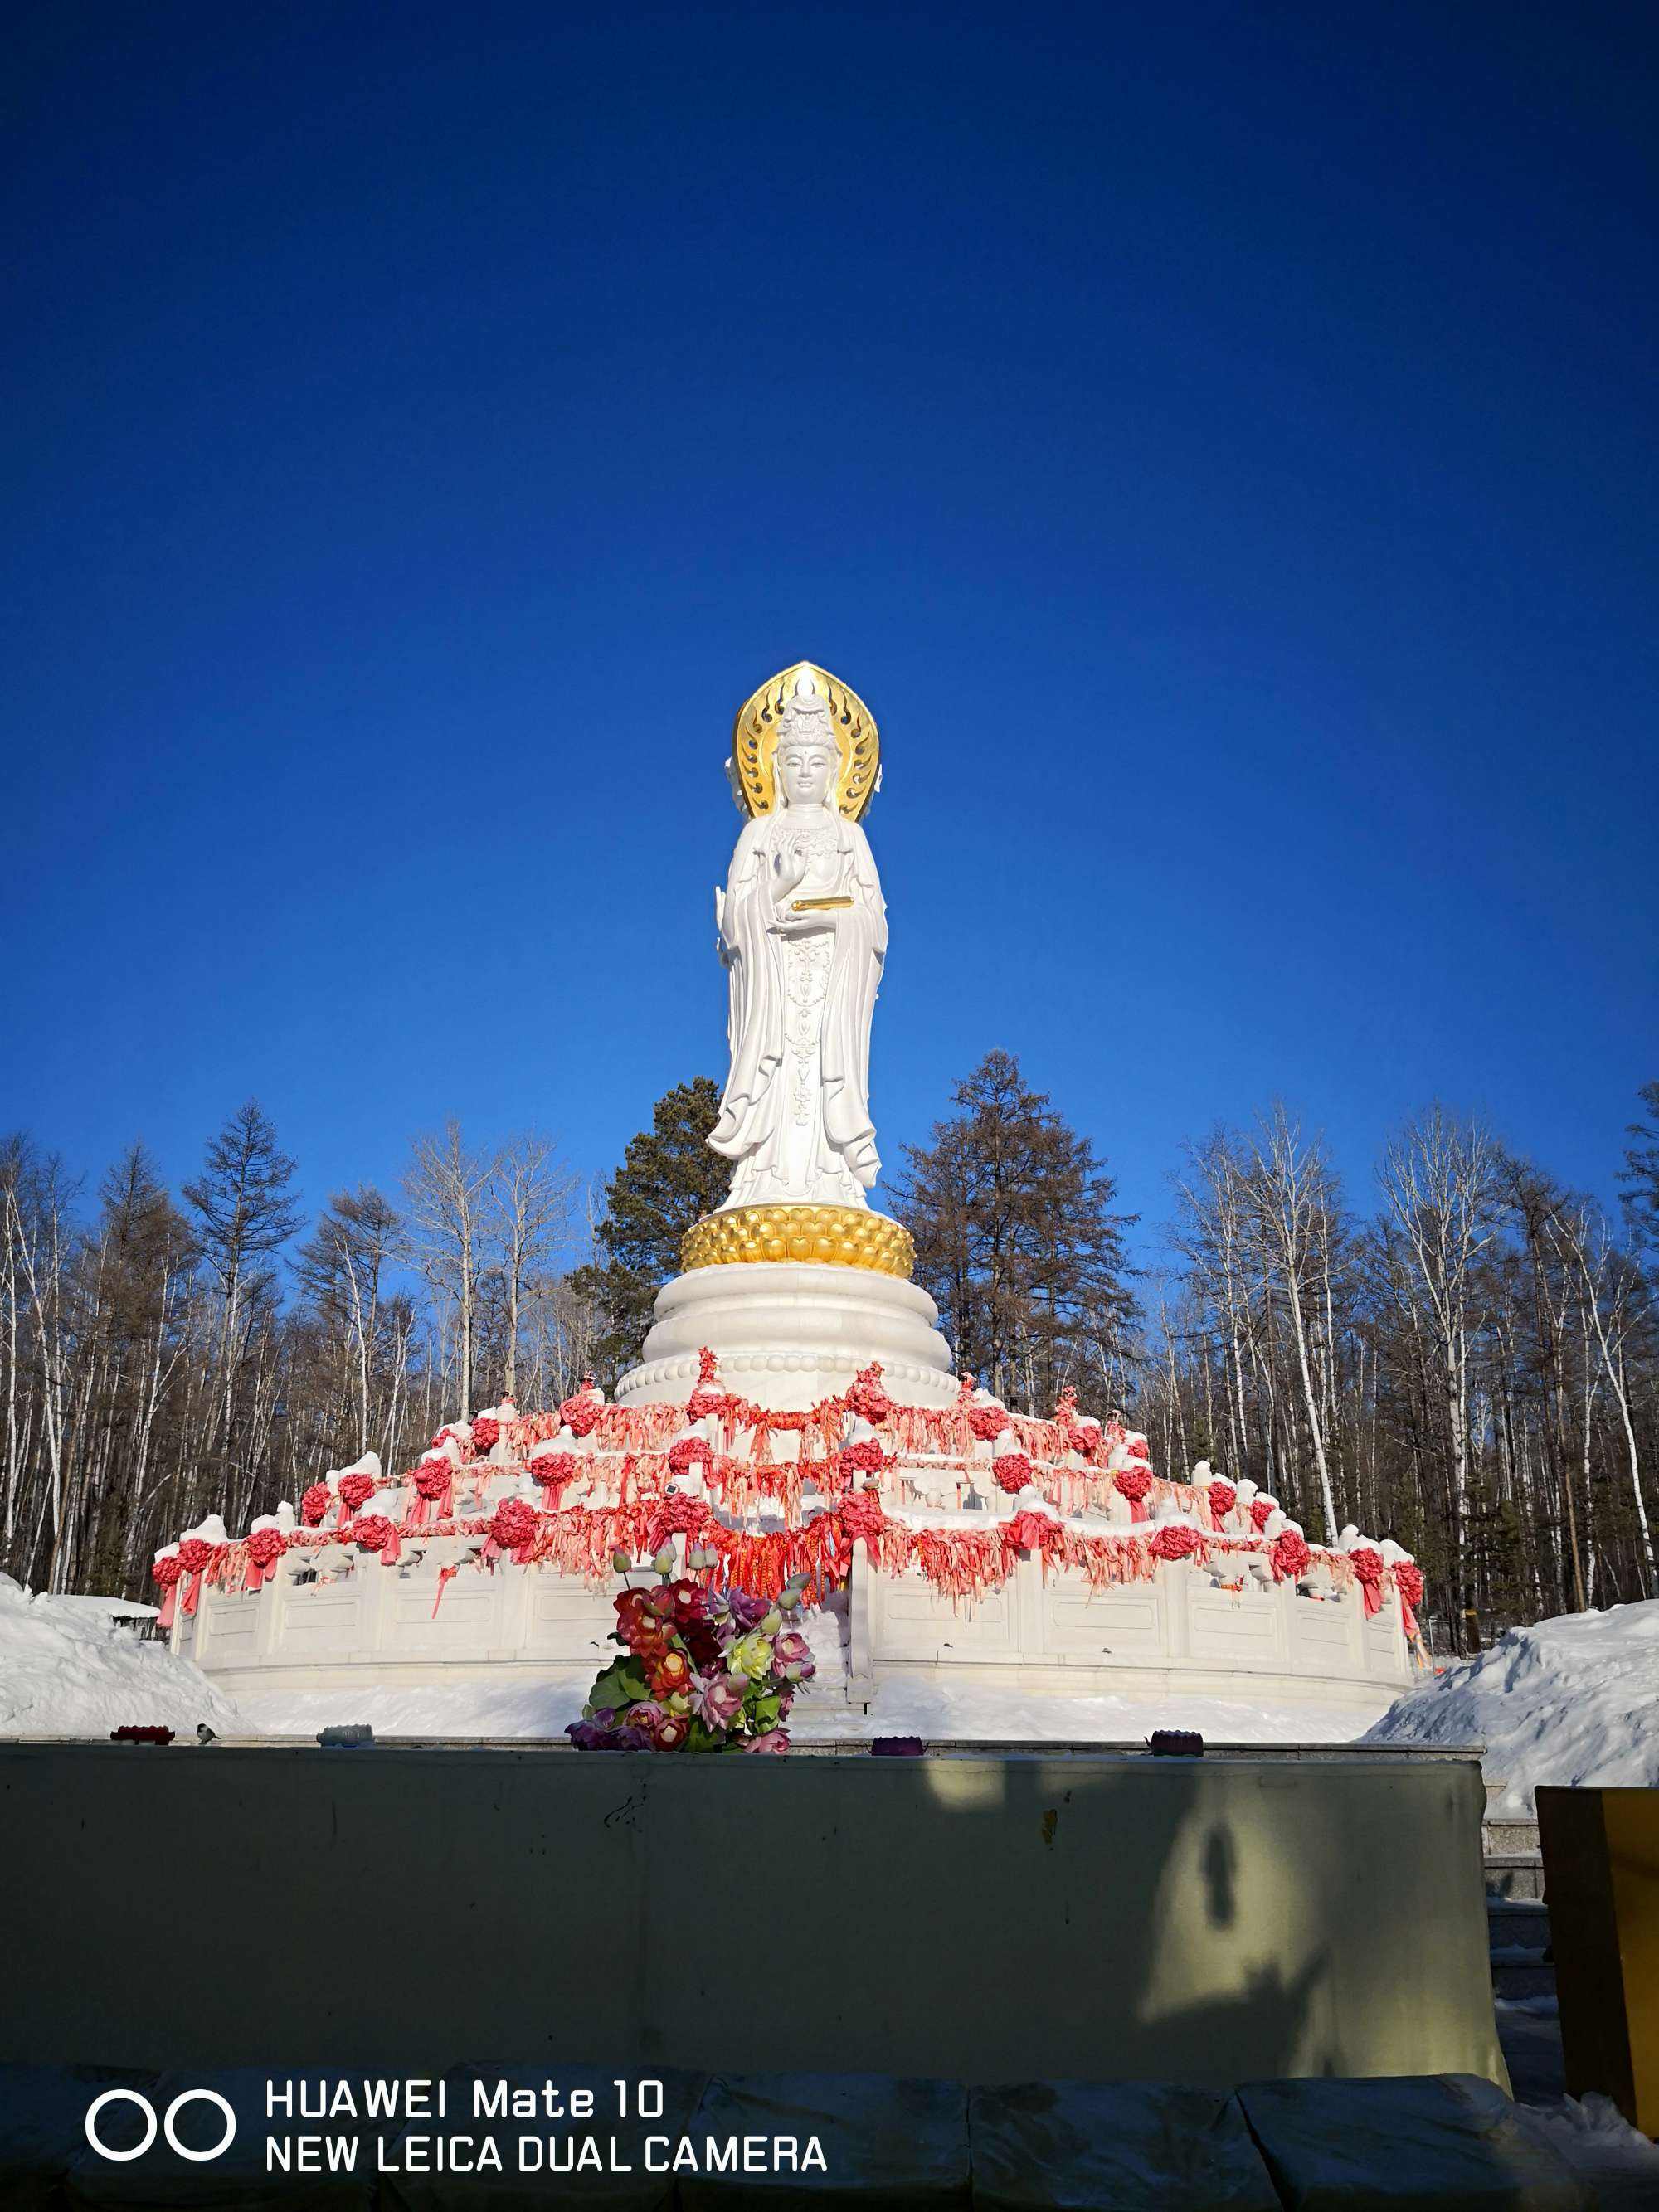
[806, 770]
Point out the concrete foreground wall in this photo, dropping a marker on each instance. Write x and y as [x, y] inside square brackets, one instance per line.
[979, 1919]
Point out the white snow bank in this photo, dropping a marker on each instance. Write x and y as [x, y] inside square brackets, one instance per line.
[1571, 1699]
[940, 1712]
[67, 1670]
[477, 1709]
[1601, 2147]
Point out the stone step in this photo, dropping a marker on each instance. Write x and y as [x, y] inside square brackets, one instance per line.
[1508, 1836]
[1514, 1875]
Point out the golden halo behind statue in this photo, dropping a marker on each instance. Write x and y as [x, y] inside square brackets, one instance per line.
[755, 741]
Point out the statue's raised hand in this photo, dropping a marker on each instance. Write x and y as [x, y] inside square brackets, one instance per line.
[789, 869]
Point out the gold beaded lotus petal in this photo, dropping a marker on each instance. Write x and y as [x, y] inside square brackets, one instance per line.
[815, 1235]
[755, 741]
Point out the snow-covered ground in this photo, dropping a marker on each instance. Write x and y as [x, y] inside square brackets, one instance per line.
[1571, 1699]
[542, 1709]
[66, 1668]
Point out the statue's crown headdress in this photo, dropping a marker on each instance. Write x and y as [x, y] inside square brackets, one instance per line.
[804, 701]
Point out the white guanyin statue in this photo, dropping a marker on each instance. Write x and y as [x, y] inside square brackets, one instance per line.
[803, 932]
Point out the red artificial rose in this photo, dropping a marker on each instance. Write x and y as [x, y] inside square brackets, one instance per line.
[194, 1554]
[1012, 1472]
[374, 1532]
[1408, 1580]
[1288, 1555]
[1174, 1540]
[988, 1422]
[264, 1544]
[553, 1470]
[512, 1524]
[1133, 1483]
[357, 1490]
[687, 1452]
[868, 1397]
[1261, 1511]
[315, 1503]
[1366, 1563]
[486, 1432]
[1223, 1498]
[167, 1571]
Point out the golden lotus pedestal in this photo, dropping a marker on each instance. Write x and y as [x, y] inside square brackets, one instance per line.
[809, 1235]
[793, 1301]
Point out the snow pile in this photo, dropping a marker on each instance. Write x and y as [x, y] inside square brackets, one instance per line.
[1601, 2147]
[1571, 1699]
[66, 1670]
[478, 1710]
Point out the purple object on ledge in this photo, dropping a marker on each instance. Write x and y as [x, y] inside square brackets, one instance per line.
[897, 1746]
[1175, 1743]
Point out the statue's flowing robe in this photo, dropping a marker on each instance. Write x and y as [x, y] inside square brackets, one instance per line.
[752, 1125]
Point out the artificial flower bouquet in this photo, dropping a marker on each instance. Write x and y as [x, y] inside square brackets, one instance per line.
[702, 1669]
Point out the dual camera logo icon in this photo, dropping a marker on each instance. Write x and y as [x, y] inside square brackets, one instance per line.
[166, 2123]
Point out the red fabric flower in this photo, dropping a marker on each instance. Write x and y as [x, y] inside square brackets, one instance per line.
[687, 1452]
[708, 1397]
[1408, 1581]
[374, 1532]
[266, 1546]
[868, 1397]
[1034, 1532]
[315, 1503]
[1133, 1483]
[865, 1457]
[1174, 1541]
[1223, 1498]
[988, 1422]
[553, 1472]
[1368, 1569]
[433, 1477]
[679, 1515]
[580, 1414]
[861, 1514]
[194, 1554]
[167, 1571]
[357, 1490]
[1263, 1511]
[486, 1432]
[1137, 1449]
[1289, 1556]
[672, 1673]
[1012, 1470]
[512, 1524]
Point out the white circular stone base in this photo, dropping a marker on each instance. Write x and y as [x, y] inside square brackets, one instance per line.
[787, 1334]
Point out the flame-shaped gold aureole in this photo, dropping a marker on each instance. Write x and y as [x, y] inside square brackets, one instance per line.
[755, 740]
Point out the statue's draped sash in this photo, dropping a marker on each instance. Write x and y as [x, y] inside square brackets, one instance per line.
[751, 1128]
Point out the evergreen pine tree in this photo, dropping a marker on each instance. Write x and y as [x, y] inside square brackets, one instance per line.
[1016, 1241]
[668, 1180]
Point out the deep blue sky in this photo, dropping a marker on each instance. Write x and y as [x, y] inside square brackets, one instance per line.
[1218, 441]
